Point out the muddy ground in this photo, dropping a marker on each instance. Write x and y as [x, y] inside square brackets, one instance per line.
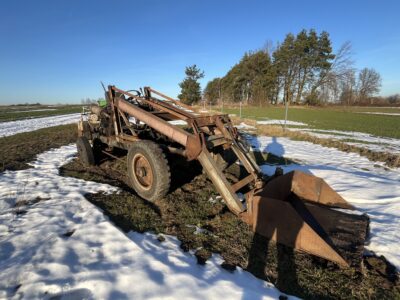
[201, 221]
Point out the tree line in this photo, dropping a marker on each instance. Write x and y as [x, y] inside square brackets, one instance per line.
[303, 69]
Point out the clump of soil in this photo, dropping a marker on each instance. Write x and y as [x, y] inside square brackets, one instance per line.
[201, 221]
[202, 256]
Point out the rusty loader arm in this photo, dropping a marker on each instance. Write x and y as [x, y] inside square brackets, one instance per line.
[296, 209]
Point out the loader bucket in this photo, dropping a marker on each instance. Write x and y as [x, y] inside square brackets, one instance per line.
[307, 187]
[296, 210]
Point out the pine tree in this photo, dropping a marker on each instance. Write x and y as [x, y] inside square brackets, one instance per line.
[212, 90]
[190, 87]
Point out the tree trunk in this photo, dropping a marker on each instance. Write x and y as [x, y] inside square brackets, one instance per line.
[301, 85]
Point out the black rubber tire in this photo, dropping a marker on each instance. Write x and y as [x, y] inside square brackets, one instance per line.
[85, 151]
[98, 148]
[86, 130]
[161, 176]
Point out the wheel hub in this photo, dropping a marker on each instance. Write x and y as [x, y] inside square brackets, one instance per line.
[142, 171]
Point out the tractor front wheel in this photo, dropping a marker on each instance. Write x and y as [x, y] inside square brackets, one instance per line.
[148, 170]
[85, 151]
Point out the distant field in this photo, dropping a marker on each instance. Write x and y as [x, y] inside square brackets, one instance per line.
[332, 118]
[13, 113]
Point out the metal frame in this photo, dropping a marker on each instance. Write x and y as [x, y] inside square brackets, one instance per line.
[292, 223]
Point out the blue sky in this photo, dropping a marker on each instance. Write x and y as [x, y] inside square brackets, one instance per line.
[59, 50]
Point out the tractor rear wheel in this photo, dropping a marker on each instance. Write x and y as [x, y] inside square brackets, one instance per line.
[85, 151]
[148, 170]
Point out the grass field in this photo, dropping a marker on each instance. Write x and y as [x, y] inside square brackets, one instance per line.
[335, 118]
[13, 113]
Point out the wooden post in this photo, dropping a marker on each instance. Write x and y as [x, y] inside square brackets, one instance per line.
[286, 113]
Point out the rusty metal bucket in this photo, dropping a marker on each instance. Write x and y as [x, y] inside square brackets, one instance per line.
[296, 209]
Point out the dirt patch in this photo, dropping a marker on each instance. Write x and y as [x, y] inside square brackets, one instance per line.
[16, 151]
[201, 221]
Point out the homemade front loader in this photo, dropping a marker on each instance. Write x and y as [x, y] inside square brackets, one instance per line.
[295, 209]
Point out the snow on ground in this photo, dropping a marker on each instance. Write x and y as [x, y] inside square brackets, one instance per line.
[380, 113]
[360, 139]
[369, 186]
[63, 247]
[281, 122]
[244, 126]
[173, 122]
[14, 127]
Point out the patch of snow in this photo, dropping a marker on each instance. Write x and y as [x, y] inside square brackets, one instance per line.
[380, 113]
[134, 121]
[174, 122]
[244, 126]
[365, 140]
[64, 247]
[212, 200]
[281, 122]
[367, 185]
[186, 109]
[14, 127]
[198, 230]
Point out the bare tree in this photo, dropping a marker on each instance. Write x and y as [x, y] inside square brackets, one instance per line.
[348, 88]
[369, 84]
[393, 99]
[342, 67]
[331, 83]
[343, 63]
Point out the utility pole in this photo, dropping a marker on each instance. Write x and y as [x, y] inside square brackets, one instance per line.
[240, 109]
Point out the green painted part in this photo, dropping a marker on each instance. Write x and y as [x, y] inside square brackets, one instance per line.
[102, 103]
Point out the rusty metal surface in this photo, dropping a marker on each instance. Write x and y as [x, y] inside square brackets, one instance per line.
[307, 187]
[282, 222]
[295, 210]
[160, 105]
[168, 98]
[142, 171]
[292, 209]
[245, 181]
[175, 133]
[220, 182]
